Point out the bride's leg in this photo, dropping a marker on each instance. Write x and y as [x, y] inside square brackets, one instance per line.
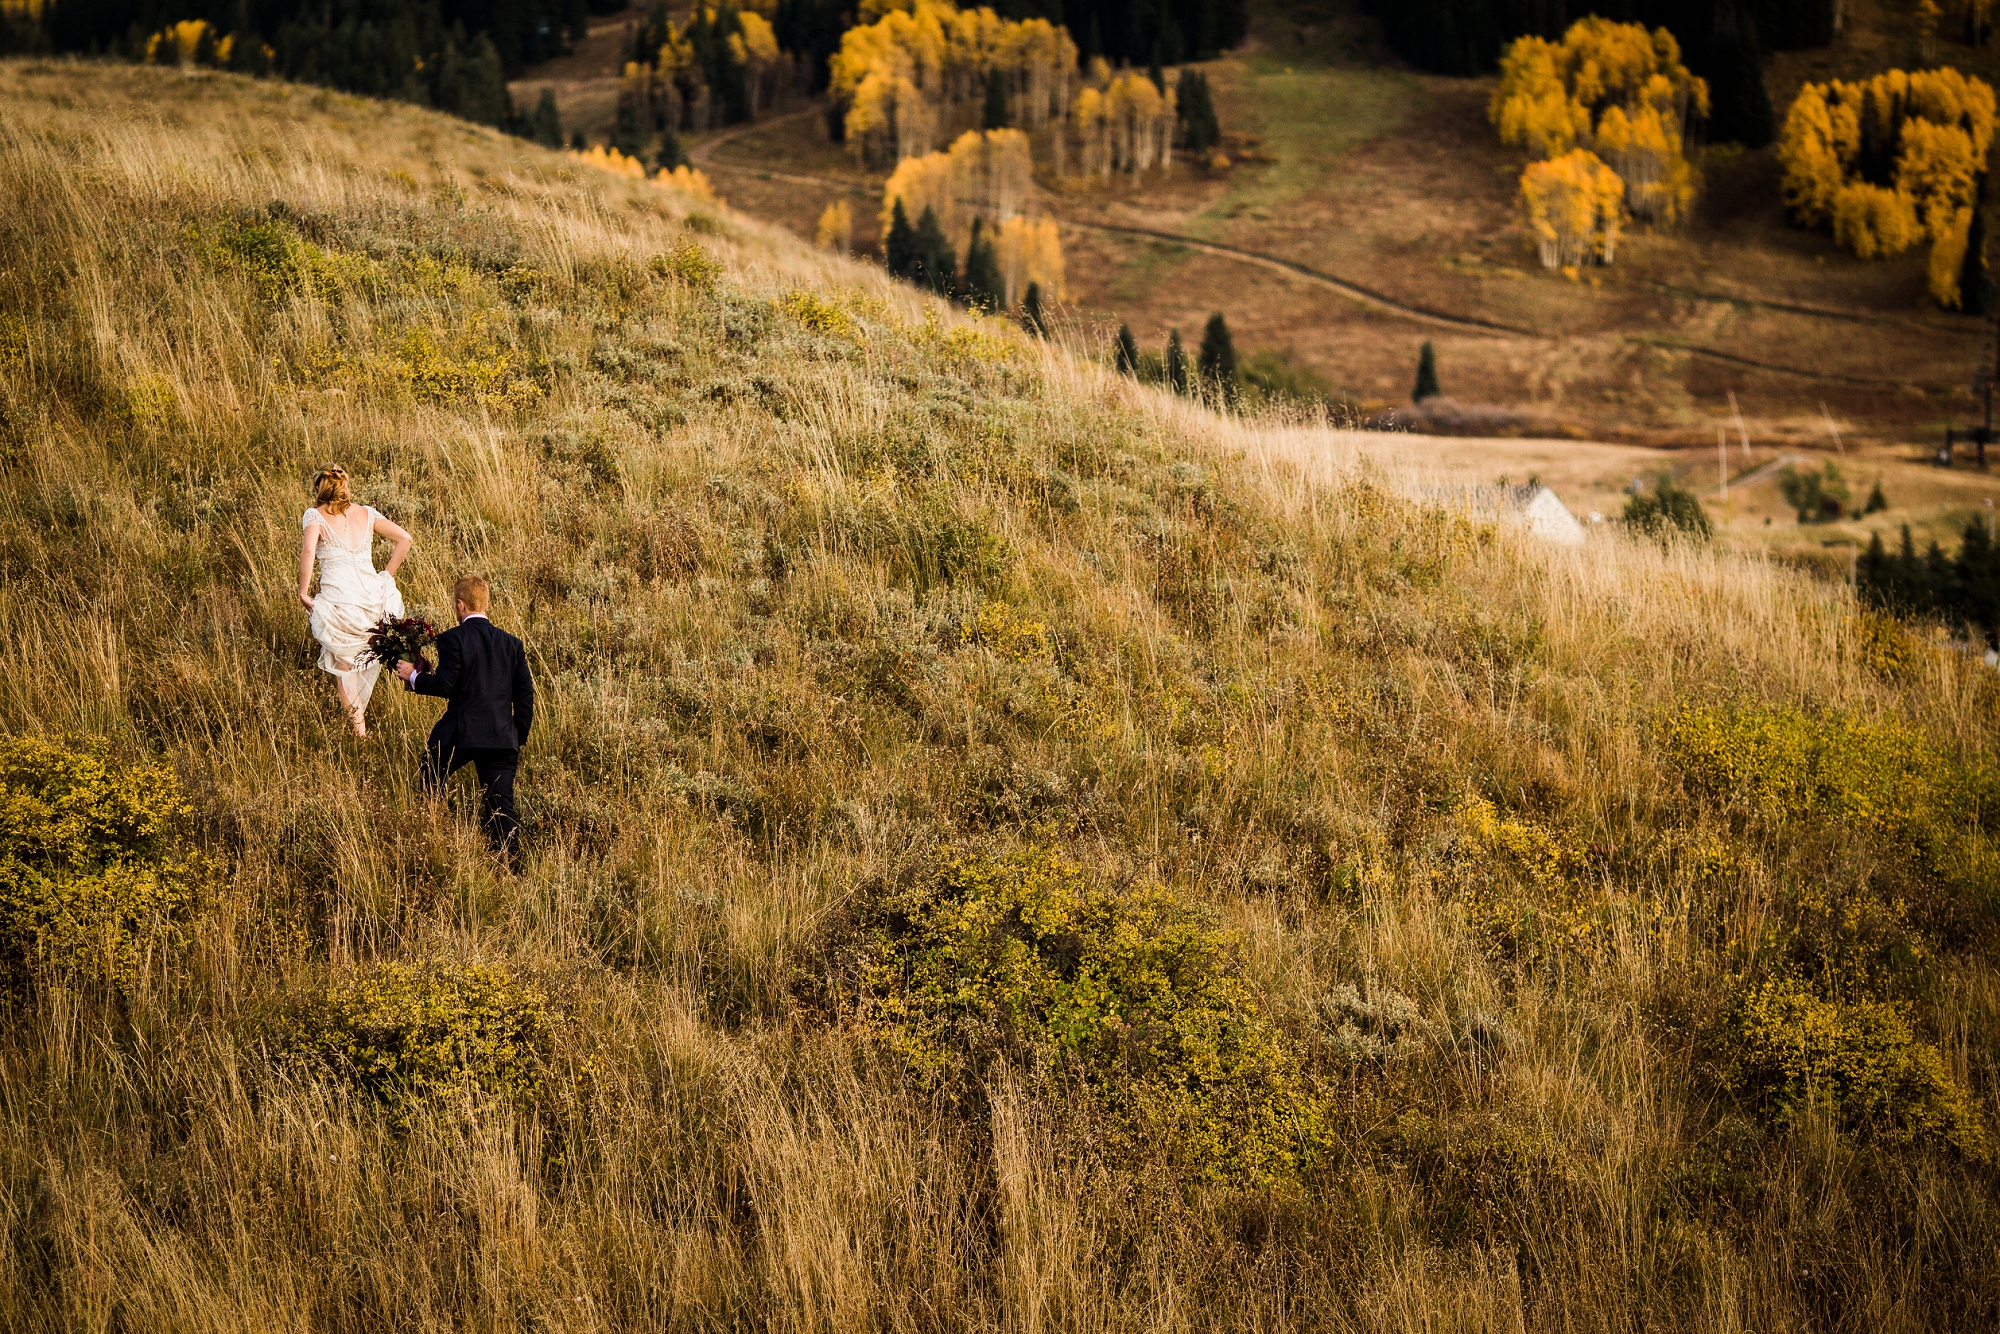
[350, 699]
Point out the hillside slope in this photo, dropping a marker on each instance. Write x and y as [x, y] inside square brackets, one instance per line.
[1005, 849]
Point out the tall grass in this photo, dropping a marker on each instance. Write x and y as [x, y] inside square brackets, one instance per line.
[810, 598]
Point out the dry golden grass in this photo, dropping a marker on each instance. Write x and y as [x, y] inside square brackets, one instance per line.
[751, 545]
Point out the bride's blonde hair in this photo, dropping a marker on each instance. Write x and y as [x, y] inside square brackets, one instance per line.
[330, 489]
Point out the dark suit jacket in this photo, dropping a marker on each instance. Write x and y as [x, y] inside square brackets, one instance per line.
[483, 672]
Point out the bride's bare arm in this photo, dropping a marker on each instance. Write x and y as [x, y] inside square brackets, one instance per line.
[307, 545]
[401, 538]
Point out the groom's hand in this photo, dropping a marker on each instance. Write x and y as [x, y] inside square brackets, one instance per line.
[407, 671]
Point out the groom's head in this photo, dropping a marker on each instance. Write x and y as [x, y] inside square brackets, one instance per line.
[471, 596]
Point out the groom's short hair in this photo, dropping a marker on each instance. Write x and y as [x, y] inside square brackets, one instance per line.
[473, 592]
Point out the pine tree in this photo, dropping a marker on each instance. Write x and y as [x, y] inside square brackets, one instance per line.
[545, 122]
[995, 115]
[1975, 284]
[1739, 104]
[982, 287]
[1200, 130]
[1427, 374]
[1877, 502]
[936, 261]
[577, 142]
[629, 136]
[1126, 351]
[1177, 365]
[1031, 312]
[899, 248]
[1217, 358]
[669, 154]
[1154, 72]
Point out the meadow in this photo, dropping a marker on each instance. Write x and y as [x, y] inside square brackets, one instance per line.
[1006, 848]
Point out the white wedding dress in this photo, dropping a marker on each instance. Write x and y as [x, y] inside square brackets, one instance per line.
[353, 595]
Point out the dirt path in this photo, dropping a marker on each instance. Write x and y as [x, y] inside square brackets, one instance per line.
[703, 156]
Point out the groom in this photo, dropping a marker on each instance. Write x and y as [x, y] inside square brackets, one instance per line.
[483, 672]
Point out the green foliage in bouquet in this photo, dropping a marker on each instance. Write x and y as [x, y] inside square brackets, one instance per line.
[1140, 994]
[94, 871]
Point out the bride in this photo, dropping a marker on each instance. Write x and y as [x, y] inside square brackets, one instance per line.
[353, 596]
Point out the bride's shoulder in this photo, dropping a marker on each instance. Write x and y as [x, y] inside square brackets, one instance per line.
[311, 517]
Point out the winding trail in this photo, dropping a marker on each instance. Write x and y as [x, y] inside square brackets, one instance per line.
[703, 155]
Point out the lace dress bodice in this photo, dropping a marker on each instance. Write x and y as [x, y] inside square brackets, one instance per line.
[346, 573]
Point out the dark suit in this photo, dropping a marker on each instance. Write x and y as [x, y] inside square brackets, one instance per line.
[482, 673]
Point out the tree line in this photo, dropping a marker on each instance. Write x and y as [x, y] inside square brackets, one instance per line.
[1961, 589]
[451, 54]
[1724, 42]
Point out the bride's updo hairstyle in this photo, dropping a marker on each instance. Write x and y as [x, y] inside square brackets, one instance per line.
[330, 490]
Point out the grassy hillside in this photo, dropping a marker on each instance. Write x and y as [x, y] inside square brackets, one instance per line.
[1004, 849]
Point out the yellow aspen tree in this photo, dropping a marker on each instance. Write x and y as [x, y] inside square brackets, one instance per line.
[1030, 251]
[1574, 205]
[1947, 260]
[1613, 88]
[1874, 221]
[1093, 128]
[836, 227]
[755, 48]
[1940, 121]
[909, 74]
[1812, 166]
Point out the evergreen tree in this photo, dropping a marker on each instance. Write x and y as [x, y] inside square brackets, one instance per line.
[995, 115]
[669, 154]
[1427, 374]
[629, 136]
[1031, 313]
[1200, 131]
[577, 141]
[1975, 283]
[545, 122]
[1177, 365]
[471, 83]
[982, 287]
[1877, 502]
[1155, 72]
[1217, 358]
[1739, 104]
[1126, 351]
[936, 264]
[899, 249]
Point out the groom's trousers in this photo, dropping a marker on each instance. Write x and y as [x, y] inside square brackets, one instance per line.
[496, 787]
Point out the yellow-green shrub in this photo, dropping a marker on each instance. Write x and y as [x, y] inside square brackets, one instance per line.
[1924, 809]
[1020, 957]
[1522, 887]
[434, 1033]
[1861, 1058]
[93, 869]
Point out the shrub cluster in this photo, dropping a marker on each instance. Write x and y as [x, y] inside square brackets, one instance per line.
[94, 871]
[1861, 1059]
[1135, 992]
[434, 1034]
[1823, 1016]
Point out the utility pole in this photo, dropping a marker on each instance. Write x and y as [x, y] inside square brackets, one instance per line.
[1741, 429]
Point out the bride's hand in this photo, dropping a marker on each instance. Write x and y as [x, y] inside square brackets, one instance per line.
[305, 598]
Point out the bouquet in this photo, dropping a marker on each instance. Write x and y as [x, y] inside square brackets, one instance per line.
[400, 639]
